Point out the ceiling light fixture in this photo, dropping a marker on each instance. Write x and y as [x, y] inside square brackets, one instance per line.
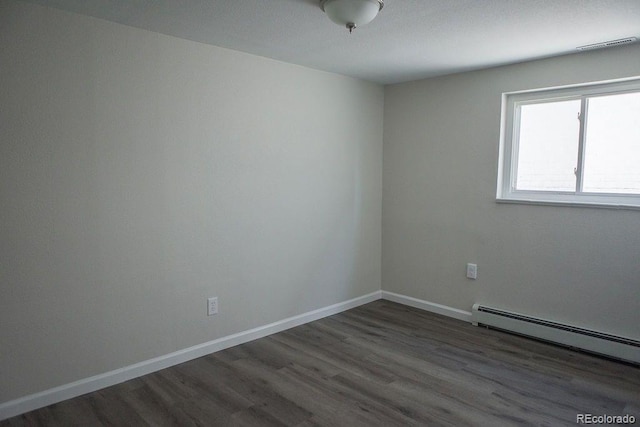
[351, 13]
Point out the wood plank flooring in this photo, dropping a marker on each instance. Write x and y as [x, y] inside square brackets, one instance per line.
[381, 364]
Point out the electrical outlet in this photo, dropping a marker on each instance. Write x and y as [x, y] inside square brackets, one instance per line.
[212, 306]
[472, 271]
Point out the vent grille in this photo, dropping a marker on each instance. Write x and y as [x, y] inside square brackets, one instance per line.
[610, 43]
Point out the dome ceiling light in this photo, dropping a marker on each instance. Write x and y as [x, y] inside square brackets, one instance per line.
[351, 13]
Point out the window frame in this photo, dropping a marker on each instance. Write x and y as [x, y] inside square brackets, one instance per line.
[509, 135]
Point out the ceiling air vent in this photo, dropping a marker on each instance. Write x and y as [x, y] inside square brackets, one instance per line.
[610, 43]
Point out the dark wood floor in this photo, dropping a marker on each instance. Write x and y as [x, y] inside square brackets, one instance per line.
[380, 364]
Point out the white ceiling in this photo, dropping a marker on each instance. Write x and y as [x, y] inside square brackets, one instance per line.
[409, 40]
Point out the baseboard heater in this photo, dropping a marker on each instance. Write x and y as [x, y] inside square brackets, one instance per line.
[608, 345]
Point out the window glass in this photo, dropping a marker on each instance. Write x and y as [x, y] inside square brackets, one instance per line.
[548, 146]
[612, 147]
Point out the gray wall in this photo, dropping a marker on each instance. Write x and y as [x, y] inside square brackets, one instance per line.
[441, 136]
[141, 174]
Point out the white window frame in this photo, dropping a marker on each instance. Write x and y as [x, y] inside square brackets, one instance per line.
[508, 154]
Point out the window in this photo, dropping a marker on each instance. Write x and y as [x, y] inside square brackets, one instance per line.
[572, 145]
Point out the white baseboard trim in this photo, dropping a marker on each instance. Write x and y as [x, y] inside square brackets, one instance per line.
[87, 385]
[428, 306]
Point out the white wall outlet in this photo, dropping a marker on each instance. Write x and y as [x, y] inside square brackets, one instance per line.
[472, 271]
[212, 306]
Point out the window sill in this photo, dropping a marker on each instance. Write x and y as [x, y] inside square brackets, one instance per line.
[565, 203]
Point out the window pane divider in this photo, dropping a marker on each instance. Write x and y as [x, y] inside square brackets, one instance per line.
[584, 105]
